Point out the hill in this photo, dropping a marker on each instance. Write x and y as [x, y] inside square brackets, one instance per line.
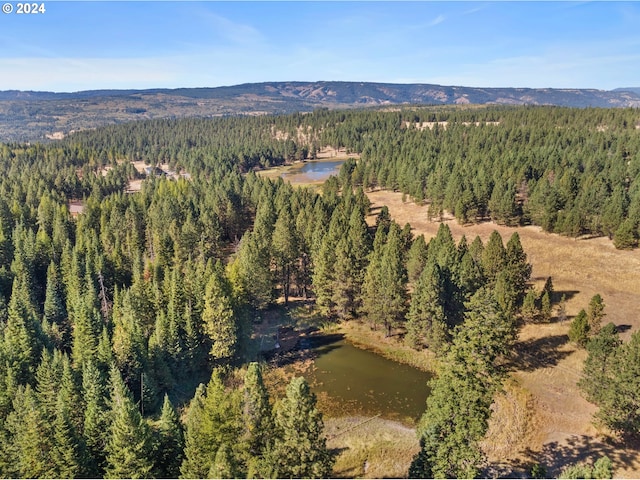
[38, 116]
[635, 90]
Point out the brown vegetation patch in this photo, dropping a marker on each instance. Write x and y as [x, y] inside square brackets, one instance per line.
[547, 366]
[444, 124]
[76, 207]
[370, 447]
[512, 426]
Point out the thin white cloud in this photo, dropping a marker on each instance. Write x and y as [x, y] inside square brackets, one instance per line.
[541, 71]
[437, 21]
[66, 74]
[237, 33]
[474, 10]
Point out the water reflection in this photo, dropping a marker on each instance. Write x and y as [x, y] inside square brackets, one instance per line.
[370, 382]
[314, 171]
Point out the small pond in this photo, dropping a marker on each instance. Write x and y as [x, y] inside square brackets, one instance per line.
[313, 171]
[361, 382]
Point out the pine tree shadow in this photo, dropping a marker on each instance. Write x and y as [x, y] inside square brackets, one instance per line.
[557, 295]
[306, 346]
[538, 353]
[623, 328]
[555, 456]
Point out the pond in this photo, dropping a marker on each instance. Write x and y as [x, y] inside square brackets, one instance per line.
[313, 171]
[360, 382]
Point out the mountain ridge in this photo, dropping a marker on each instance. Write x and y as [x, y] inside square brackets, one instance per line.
[38, 116]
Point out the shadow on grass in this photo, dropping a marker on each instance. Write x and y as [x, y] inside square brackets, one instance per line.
[555, 456]
[531, 355]
[623, 328]
[568, 295]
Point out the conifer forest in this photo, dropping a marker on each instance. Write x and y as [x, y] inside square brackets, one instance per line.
[128, 344]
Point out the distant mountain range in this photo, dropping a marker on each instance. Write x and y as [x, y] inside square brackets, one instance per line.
[38, 116]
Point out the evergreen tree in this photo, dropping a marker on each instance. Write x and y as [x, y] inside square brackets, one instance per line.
[255, 270]
[218, 317]
[416, 259]
[30, 442]
[222, 466]
[214, 421]
[579, 329]
[22, 338]
[530, 311]
[170, 445]
[55, 311]
[128, 342]
[86, 330]
[392, 295]
[67, 454]
[545, 307]
[299, 449]
[458, 409]
[602, 468]
[469, 275]
[597, 381]
[443, 248]
[517, 268]
[96, 419]
[451, 428]
[48, 380]
[505, 293]
[619, 406]
[494, 257]
[286, 249]
[196, 452]
[129, 446]
[325, 274]
[256, 412]
[626, 236]
[595, 314]
[426, 323]
[562, 309]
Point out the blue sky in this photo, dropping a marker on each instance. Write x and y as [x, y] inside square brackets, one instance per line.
[82, 45]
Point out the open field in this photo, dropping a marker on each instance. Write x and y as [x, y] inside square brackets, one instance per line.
[558, 419]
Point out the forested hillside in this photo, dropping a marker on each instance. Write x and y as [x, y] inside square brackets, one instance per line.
[570, 171]
[146, 302]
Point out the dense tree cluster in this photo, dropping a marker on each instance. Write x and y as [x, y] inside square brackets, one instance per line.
[108, 317]
[611, 379]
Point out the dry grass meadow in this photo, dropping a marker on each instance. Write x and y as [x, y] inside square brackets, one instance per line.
[541, 416]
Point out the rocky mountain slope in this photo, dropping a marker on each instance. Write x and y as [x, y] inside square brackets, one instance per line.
[38, 116]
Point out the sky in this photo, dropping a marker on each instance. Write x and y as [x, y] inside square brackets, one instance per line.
[88, 45]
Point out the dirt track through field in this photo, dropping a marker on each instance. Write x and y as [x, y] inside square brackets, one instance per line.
[548, 366]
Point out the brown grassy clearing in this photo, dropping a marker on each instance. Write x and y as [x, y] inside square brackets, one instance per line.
[558, 420]
[370, 447]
